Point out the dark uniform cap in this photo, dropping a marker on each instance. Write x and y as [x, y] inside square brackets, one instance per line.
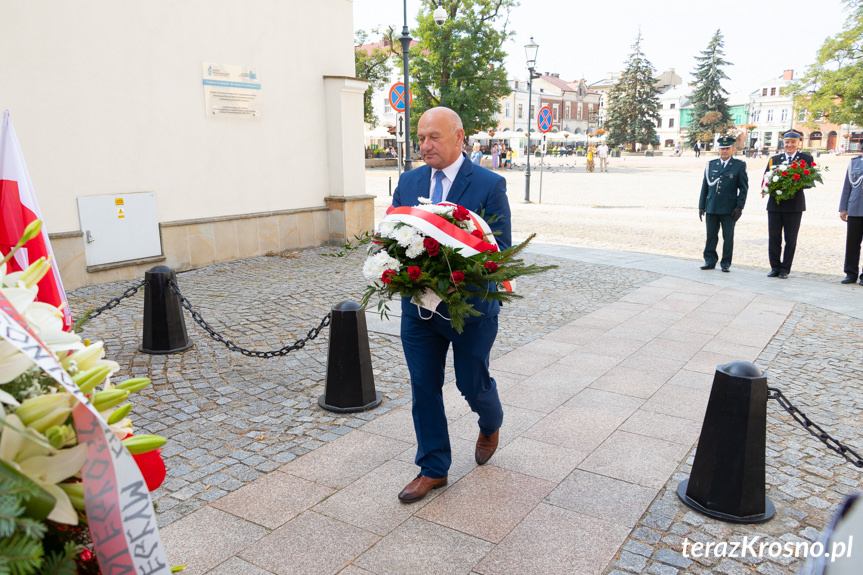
[726, 141]
[792, 134]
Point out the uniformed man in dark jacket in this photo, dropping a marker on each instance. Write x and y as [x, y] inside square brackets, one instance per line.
[723, 195]
[784, 216]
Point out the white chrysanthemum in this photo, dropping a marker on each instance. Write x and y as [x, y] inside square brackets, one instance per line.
[375, 265]
[387, 229]
[783, 167]
[775, 178]
[416, 248]
[405, 236]
[424, 200]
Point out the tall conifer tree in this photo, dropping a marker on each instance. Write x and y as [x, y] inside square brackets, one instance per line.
[710, 114]
[633, 108]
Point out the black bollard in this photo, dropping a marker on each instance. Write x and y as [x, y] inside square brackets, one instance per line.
[727, 481]
[164, 326]
[350, 384]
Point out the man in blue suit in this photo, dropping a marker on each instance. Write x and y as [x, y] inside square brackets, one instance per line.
[450, 176]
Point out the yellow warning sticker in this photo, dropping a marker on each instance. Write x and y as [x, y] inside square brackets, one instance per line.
[120, 213]
[118, 201]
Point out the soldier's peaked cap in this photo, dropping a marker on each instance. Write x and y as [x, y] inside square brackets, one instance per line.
[726, 141]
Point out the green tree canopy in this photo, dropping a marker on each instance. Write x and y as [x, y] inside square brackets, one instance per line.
[633, 108]
[460, 64]
[833, 85]
[710, 114]
[372, 65]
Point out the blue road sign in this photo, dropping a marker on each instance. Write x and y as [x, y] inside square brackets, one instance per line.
[397, 96]
[545, 119]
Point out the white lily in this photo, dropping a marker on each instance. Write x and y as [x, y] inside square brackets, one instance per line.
[45, 466]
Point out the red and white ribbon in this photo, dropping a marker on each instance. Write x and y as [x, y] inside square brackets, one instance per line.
[448, 234]
[119, 510]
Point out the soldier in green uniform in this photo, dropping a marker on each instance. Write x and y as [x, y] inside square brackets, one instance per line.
[723, 195]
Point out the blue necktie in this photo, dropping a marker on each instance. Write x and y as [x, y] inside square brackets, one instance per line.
[437, 195]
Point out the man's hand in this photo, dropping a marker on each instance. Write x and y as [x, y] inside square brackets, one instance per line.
[736, 213]
[843, 216]
[700, 215]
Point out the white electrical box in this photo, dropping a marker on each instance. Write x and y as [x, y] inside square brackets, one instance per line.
[119, 227]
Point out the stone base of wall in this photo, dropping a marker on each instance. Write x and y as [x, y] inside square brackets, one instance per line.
[192, 244]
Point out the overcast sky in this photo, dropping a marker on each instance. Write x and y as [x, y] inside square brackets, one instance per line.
[590, 39]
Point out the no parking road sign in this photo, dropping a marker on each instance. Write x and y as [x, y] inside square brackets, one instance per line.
[397, 96]
[545, 119]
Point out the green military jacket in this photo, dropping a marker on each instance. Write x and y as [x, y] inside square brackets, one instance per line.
[723, 189]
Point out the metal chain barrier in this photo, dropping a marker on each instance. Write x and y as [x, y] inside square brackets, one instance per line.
[299, 344]
[114, 302]
[813, 428]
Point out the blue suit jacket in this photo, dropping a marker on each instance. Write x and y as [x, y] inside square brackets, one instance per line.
[477, 189]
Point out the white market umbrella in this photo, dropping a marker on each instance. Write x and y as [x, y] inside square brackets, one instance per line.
[480, 136]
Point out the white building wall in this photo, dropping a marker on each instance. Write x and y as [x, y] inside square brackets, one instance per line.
[107, 98]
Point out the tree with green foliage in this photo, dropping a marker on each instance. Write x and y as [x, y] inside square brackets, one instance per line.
[460, 64]
[710, 113]
[372, 65]
[633, 103]
[833, 85]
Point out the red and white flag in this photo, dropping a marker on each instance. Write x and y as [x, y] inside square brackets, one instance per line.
[18, 207]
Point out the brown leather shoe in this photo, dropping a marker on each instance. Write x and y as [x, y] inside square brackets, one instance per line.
[486, 445]
[419, 488]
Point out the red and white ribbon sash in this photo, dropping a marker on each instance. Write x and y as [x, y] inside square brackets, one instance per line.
[119, 510]
[448, 234]
[443, 231]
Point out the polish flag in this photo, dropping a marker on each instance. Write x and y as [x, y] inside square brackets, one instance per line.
[18, 207]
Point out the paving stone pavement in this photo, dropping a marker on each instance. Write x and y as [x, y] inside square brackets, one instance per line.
[231, 419]
[814, 361]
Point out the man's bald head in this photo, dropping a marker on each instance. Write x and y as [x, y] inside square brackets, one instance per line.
[440, 135]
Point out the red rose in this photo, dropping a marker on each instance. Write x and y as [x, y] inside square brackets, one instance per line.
[806, 172]
[415, 273]
[388, 276]
[795, 177]
[784, 173]
[432, 246]
[457, 277]
[813, 164]
[478, 234]
[802, 163]
[460, 214]
[491, 266]
[793, 164]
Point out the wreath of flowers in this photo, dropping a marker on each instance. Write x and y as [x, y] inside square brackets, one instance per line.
[42, 515]
[406, 261]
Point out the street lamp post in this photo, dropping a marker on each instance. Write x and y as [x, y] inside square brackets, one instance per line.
[405, 39]
[530, 50]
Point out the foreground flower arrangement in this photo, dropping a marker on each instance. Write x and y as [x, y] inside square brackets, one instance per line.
[43, 524]
[437, 253]
[785, 180]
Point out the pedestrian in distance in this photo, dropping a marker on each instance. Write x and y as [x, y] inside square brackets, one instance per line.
[602, 152]
[783, 218]
[449, 176]
[851, 212]
[697, 148]
[723, 195]
[476, 155]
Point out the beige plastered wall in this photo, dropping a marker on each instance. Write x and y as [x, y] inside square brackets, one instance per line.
[107, 98]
